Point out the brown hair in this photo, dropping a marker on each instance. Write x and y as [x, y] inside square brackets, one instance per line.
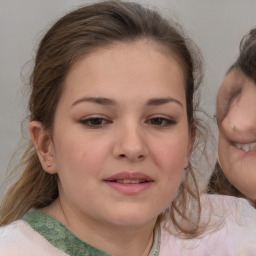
[246, 62]
[219, 184]
[77, 34]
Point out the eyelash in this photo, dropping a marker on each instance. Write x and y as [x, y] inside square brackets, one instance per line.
[99, 122]
[164, 122]
[95, 122]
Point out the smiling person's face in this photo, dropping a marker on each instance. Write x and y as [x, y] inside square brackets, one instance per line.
[236, 117]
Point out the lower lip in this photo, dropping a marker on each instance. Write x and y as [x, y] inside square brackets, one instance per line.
[129, 188]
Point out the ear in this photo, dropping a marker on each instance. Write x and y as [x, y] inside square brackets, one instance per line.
[44, 146]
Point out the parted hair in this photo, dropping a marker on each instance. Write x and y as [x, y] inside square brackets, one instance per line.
[75, 35]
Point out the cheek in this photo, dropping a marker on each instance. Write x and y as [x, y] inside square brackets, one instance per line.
[223, 153]
[220, 108]
[222, 145]
[171, 155]
[77, 155]
[240, 171]
[79, 169]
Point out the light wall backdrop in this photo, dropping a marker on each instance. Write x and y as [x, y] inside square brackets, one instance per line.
[216, 26]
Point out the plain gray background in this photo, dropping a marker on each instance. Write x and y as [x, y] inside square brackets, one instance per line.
[216, 26]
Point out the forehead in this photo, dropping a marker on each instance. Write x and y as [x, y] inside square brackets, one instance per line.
[145, 48]
[233, 79]
[138, 65]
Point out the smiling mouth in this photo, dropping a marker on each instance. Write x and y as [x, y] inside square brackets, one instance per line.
[249, 147]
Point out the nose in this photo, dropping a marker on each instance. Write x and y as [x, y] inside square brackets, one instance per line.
[240, 121]
[130, 143]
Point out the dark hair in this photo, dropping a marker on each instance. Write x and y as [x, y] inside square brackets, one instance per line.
[246, 61]
[76, 34]
[219, 184]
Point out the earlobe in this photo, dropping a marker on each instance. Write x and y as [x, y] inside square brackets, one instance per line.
[43, 145]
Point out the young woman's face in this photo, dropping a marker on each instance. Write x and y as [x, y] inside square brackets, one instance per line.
[120, 138]
[236, 116]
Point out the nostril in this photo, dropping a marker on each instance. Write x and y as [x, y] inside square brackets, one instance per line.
[135, 157]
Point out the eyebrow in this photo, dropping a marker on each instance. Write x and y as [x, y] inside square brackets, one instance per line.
[162, 101]
[111, 102]
[98, 100]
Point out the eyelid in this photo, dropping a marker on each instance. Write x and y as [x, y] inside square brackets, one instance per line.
[169, 120]
[164, 116]
[85, 121]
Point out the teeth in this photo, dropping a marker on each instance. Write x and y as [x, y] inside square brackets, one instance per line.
[246, 148]
[250, 147]
[130, 181]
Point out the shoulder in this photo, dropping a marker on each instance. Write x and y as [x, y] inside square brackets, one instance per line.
[230, 230]
[237, 211]
[232, 225]
[18, 238]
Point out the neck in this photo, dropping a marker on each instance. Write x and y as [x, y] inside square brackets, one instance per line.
[113, 239]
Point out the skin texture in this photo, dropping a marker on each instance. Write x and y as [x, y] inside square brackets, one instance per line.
[141, 127]
[236, 116]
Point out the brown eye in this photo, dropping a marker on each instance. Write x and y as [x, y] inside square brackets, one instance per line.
[161, 121]
[95, 122]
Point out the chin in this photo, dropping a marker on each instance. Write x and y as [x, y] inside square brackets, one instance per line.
[134, 219]
[251, 194]
[248, 191]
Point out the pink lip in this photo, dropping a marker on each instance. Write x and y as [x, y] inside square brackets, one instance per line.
[129, 188]
[129, 176]
[242, 153]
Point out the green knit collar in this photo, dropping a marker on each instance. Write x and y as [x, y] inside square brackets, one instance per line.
[63, 239]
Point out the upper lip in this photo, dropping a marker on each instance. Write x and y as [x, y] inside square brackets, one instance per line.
[129, 176]
[242, 142]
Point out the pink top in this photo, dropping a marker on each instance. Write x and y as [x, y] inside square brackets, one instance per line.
[233, 220]
[19, 239]
[234, 231]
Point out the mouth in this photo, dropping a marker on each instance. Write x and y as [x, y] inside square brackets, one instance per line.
[129, 183]
[248, 147]
[129, 177]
